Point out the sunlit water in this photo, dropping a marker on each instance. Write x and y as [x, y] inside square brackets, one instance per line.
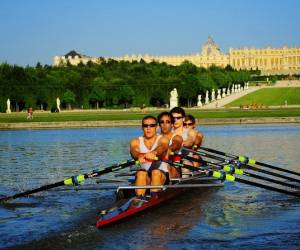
[236, 216]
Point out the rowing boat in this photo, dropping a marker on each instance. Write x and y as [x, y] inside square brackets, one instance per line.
[128, 205]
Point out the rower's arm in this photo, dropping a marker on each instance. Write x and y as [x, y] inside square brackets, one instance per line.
[162, 148]
[176, 143]
[160, 151]
[199, 139]
[134, 148]
[189, 142]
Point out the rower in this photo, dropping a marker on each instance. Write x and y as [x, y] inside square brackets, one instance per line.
[190, 123]
[145, 149]
[188, 135]
[165, 122]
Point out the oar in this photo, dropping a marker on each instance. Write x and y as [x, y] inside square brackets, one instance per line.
[241, 164]
[223, 176]
[231, 169]
[248, 160]
[74, 180]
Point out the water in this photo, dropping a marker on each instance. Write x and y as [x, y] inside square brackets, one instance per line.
[236, 216]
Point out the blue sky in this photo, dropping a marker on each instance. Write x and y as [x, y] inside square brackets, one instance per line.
[34, 31]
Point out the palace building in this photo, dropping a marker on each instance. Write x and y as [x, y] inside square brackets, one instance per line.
[269, 60]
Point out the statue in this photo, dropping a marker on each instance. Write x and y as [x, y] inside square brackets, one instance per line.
[247, 85]
[213, 95]
[8, 111]
[228, 91]
[174, 98]
[206, 97]
[58, 104]
[219, 94]
[224, 92]
[199, 103]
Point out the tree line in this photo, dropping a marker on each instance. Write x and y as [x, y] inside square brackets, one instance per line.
[111, 84]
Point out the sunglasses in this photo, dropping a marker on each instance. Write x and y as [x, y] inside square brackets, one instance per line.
[164, 121]
[177, 118]
[188, 124]
[149, 125]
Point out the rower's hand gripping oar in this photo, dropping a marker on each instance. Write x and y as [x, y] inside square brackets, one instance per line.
[221, 175]
[74, 180]
[248, 160]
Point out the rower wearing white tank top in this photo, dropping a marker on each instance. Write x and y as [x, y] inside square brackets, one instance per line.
[165, 122]
[190, 123]
[146, 149]
[188, 135]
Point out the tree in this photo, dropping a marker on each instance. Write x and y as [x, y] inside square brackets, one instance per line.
[188, 89]
[98, 92]
[69, 98]
[126, 95]
[157, 98]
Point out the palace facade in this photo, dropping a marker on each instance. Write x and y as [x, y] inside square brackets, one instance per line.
[269, 60]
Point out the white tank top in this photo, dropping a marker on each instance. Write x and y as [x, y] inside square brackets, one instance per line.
[185, 134]
[143, 149]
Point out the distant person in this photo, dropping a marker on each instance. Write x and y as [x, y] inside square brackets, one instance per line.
[29, 113]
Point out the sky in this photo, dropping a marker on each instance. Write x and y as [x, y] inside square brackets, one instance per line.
[33, 31]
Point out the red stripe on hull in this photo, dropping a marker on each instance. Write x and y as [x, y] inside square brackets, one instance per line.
[153, 202]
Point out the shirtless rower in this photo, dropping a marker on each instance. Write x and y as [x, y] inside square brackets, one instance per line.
[188, 135]
[146, 148]
[165, 122]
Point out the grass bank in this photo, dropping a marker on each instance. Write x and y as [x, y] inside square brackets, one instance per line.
[270, 97]
[121, 115]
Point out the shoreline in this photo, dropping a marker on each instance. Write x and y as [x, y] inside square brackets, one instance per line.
[137, 123]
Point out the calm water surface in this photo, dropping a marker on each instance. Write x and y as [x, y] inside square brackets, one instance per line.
[236, 216]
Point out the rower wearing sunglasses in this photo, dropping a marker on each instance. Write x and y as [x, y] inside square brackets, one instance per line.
[188, 135]
[149, 149]
[190, 123]
[165, 121]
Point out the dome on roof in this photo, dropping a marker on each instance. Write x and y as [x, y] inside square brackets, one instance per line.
[72, 54]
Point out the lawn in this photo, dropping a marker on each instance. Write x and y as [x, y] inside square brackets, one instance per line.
[270, 97]
[134, 115]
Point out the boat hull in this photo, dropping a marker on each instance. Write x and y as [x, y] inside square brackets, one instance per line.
[129, 208]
